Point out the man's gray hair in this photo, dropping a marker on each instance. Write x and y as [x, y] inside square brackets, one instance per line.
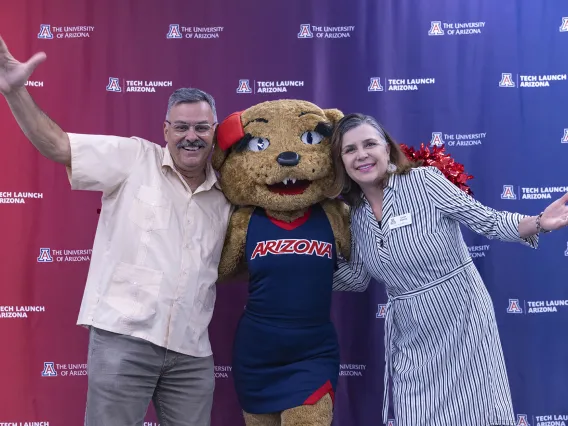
[190, 95]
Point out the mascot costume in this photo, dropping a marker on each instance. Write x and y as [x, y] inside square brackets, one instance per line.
[274, 162]
[275, 166]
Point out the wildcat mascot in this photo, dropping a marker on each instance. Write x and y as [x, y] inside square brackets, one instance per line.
[274, 163]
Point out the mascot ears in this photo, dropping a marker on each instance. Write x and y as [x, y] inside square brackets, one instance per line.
[333, 115]
[230, 131]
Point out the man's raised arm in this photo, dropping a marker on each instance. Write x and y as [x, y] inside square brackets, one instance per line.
[44, 133]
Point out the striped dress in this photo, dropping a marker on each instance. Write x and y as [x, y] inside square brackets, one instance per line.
[442, 349]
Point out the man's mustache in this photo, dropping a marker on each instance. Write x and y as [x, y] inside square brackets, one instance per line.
[191, 144]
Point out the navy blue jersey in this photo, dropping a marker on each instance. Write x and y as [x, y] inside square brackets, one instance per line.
[286, 352]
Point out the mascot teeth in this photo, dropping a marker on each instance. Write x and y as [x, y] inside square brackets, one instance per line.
[289, 180]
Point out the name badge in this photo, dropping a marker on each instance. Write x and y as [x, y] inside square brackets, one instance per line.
[399, 221]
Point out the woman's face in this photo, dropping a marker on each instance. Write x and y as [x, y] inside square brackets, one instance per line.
[365, 155]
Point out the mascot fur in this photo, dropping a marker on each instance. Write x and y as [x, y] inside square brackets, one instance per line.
[274, 161]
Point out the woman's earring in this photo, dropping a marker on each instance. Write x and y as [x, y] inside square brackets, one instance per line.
[391, 168]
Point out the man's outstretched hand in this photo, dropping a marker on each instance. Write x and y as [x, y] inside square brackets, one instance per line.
[14, 74]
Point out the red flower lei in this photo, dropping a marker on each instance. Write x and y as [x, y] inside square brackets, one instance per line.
[437, 157]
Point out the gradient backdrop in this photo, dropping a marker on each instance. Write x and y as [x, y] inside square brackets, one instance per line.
[485, 78]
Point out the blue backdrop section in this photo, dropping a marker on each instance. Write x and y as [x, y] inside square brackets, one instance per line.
[497, 99]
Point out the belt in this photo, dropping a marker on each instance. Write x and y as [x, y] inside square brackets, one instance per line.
[389, 327]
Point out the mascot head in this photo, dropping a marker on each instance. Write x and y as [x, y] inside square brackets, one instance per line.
[276, 155]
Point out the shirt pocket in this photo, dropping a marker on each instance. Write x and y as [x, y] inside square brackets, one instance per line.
[150, 210]
[211, 237]
[133, 293]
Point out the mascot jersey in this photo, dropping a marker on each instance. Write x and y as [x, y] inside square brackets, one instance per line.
[286, 352]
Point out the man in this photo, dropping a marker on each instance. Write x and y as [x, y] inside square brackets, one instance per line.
[150, 291]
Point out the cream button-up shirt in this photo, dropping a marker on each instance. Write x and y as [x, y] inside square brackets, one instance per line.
[157, 247]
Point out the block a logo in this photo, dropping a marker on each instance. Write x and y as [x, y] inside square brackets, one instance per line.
[565, 137]
[174, 31]
[564, 26]
[375, 85]
[508, 193]
[244, 87]
[506, 80]
[113, 85]
[522, 420]
[44, 255]
[305, 31]
[382, 310]
[45, 32]
[391, 422]
[436, 28]
[514, 307]
[48, 370]
[436, 139]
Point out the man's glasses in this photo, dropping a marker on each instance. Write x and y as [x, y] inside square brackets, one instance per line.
[201, 129]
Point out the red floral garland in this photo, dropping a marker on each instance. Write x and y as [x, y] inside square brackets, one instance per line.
[437, 157]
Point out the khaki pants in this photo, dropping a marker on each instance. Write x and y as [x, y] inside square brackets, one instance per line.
[126, 373]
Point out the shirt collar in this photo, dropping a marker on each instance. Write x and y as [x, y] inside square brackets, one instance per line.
[392, 182]
[210, 176]
[392, 185]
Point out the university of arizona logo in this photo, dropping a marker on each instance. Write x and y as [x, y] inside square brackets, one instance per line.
[382, 311]
[48, 370]
[564, 26]
[244, 87]
[375, 85]
[522, 420]
[305, 31]
[436, 28]
[508, 193]
[292, 246]
[514, 307]
[45, 32]
[506, 80]
[436, 139]
[44, 255]
[391, 422]
[174, 31]
[113, 85]
[565, 137]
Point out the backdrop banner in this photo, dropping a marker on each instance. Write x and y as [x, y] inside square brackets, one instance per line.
[486, 79]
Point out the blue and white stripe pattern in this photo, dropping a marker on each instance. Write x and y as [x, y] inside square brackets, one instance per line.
[442, 347]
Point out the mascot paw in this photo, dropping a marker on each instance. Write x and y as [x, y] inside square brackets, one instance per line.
[319, 414]
[262, 419]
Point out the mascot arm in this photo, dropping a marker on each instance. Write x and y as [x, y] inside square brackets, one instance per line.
[351, 274]
[338, 214]
[231, 262]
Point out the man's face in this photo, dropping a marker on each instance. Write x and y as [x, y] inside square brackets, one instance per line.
[189, 134]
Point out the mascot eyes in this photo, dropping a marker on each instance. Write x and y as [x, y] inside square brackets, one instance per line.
[258, 144]
[312, 138]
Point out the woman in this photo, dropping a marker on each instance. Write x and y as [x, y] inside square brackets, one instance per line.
[443, 352]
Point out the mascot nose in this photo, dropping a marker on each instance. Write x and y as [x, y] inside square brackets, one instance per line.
[288, 158]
